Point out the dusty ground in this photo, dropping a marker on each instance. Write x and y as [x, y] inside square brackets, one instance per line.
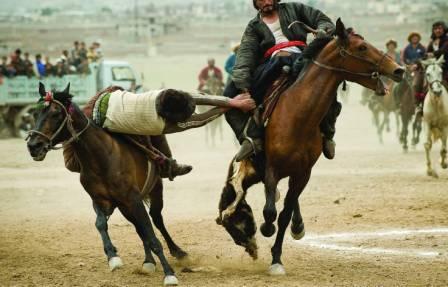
[48, 237]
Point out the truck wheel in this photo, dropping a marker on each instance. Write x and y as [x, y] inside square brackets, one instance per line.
[24, 121]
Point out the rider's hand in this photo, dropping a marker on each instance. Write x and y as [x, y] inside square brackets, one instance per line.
[243, 102]
[321, 33]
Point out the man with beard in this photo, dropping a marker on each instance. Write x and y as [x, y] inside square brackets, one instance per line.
[274, 38]
[439, 45]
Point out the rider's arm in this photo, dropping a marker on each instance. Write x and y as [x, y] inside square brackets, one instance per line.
[313, 17]
[195, 121]
[246, 59]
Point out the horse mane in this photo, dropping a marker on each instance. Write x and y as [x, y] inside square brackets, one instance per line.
[316, 46]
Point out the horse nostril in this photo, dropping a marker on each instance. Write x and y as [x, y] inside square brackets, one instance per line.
[399, 72]
[34, 146]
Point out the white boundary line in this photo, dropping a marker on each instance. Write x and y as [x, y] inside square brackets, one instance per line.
[327, 242]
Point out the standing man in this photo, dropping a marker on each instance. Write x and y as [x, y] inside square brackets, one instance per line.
[272, 39]
[208, 73]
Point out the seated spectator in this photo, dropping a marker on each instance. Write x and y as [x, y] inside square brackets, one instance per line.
[414, 51]
[61, 68]
[74, 55]
[40, 66]
[98, 50]
[82, 51]
[49, 68]
[29, 66]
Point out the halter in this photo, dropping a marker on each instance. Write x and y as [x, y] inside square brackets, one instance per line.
[67, 121]
[433, 82]
[345, 53]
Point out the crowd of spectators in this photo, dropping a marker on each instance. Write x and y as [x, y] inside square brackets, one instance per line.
[75, 61]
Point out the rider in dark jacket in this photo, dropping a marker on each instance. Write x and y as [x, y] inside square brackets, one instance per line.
[275, 33]
[439, 45]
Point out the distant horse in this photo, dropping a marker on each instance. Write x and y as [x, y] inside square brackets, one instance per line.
[435, 113]
[114, 172]
[381, 108]
[293, 141]
[213, 86]
[420, 88]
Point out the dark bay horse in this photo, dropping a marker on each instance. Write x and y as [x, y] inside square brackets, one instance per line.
[293, 141]
[114, 172]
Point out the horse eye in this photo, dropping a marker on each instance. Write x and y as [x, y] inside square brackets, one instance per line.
[362, 48]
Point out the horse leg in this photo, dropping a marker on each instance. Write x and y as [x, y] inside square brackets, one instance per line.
[155, 210]
[404, 134]
[428, 145]
[387, 120]
[134, 211]
[269, 210]
[297, 226]
[443, 151]
[416, 129]
[101, 224]
[296, 186]
[397, 123]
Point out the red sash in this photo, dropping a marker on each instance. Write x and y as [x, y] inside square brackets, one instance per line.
[282, 46]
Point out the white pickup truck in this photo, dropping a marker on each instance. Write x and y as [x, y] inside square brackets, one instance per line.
[18, 95]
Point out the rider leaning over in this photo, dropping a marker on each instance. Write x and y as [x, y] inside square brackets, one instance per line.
[272, 39]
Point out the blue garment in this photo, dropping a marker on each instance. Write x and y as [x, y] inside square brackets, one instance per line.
[411, 55]
[40, 68]
[230, 63]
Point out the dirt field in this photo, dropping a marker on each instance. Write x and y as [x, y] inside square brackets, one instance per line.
[372, 217]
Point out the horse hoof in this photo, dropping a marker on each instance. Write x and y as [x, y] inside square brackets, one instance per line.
[297, 235]
[277, 270]
[267, 229]
[179, 254]
[444, 165]
[148, 267]
[170, 280]
[115, 263]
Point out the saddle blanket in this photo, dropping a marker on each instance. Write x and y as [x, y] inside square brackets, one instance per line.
[129, 113]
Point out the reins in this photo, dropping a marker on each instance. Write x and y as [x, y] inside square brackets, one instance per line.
[68, 121]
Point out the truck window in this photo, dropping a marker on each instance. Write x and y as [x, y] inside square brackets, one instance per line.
[122, 74]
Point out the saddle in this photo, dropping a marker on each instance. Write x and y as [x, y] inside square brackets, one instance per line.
[141, 142]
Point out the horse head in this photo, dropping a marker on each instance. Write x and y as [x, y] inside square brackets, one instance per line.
[53, 122]
[434, 74]
[358, 61]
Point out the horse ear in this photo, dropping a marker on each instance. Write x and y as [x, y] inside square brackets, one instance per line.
[67, 90]
[425, 63]
[41, 89]
[441, 60]
[341, 32]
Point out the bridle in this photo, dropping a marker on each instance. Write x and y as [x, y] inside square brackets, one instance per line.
[344, 53]
[68, 121]
[432, 82]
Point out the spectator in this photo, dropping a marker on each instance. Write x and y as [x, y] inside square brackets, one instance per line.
[49, 68]
[40, 66]
[17, 64]
[84, 68]
[61, 68]
[91, 55]
[82, 51]
[74, 55]
[4, 67]
[414, 51]
[392, 52]
[29, 66]
[98, 50]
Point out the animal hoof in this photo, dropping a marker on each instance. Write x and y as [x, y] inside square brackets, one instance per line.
[170, 280]
[277, 270]
[444, 165]
[267, 229]
[298, 233]
[115, 263]
[148, 267]
[179, 254]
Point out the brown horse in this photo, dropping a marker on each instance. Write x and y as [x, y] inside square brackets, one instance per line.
[293, 137]
[114, 172]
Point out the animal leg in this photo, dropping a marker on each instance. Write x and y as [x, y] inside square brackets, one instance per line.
[297, 226]
[241, 170]
[135, 212]
[428, 146]
[443, 151]
[269, 210]
[296, 186]
[155, 210]
[110, 250]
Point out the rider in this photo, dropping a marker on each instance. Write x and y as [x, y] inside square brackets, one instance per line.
[272, 39]
[414, 51]
[209, 72]
[439, 45]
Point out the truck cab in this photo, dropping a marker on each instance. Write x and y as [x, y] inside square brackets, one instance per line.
[117, 73]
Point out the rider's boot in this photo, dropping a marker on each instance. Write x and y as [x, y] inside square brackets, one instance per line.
[328, 129]
[169, 168]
